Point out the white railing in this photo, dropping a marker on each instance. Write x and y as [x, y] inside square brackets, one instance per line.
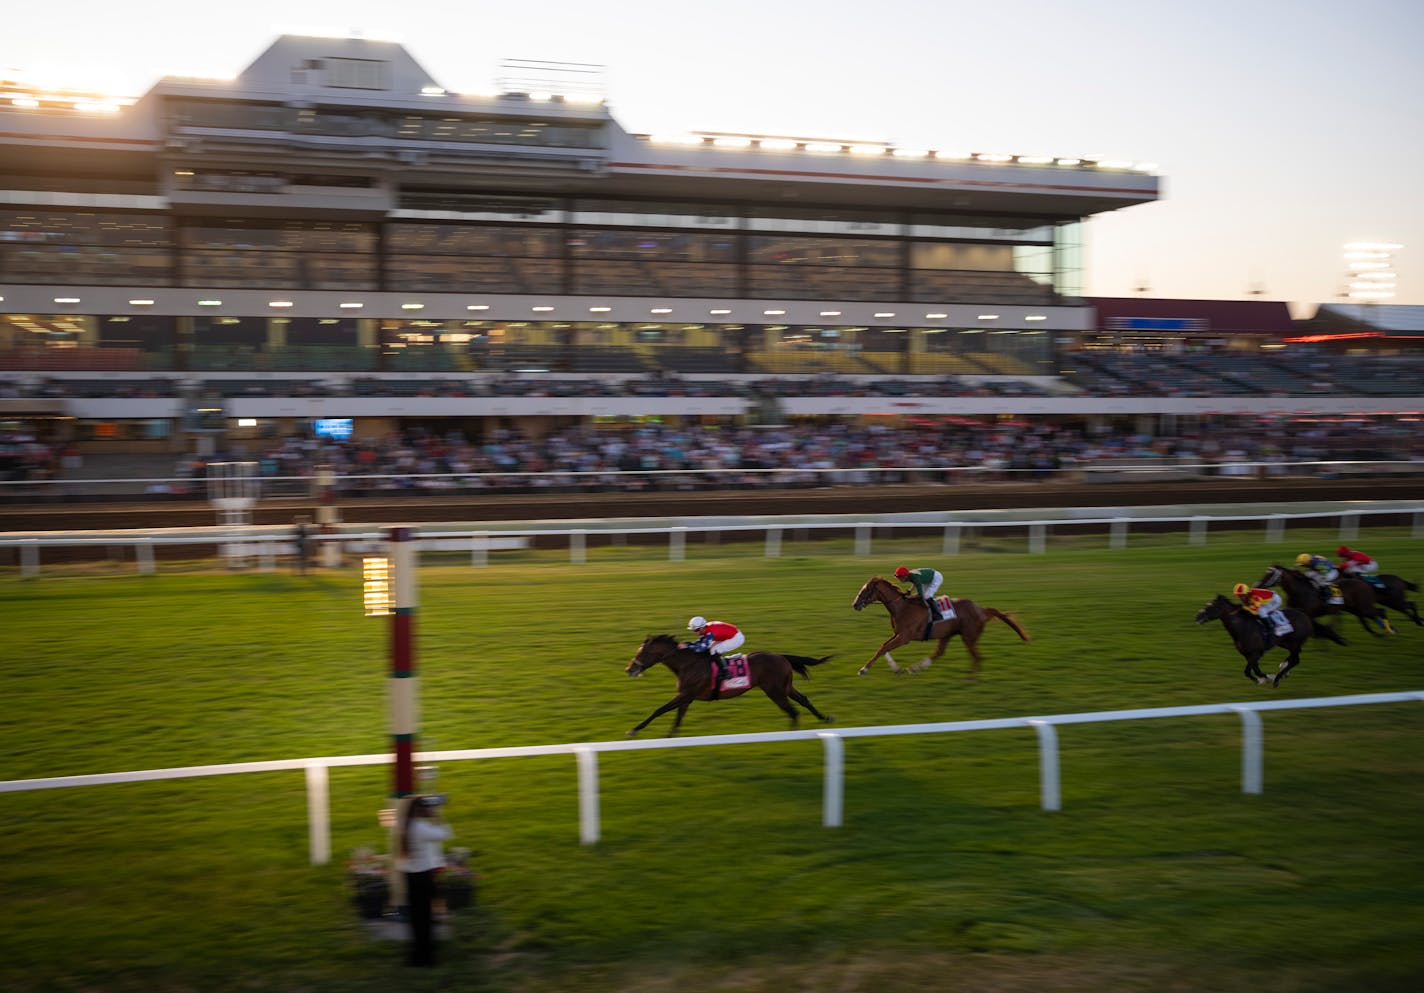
[832, 741]
[267, 543]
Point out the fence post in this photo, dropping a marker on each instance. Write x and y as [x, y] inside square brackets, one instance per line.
[587, 760]
[1117, 537]
[862, 540]
[318, 814]
[1036, 538]
[30, 558]
[951, 539]
[267, 557]
[479, 550]
[1050, 795]
[834, 790]
[1418, 531]
[773, 543]
[1250, 750]
[677, 544]
[143, 552]
[1197, 535]
[1349, 525]
[1275, 529]
[576, 547]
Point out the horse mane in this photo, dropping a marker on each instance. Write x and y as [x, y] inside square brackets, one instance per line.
[662, 639]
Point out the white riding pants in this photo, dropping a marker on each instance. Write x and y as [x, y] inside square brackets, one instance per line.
[730, 645]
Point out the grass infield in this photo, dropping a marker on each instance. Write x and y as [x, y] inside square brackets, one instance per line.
[714, 872]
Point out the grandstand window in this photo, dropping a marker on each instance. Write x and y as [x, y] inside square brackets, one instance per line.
[359, 74]
[658, 215]
[146, 332]
[307, 254]
[764, 251]
[672, 246]
[228, 114]
[986, 228]
[824, 220]
[84, 247]
[430, 203]
[497, 131]
[473, 258]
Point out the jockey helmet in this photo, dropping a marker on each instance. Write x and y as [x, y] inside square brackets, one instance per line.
[1303, 558]
[697, 623]
[1343, 550]
[902, 573]
[1240, 589]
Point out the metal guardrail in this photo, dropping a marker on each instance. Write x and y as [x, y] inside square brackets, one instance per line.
[832, 742]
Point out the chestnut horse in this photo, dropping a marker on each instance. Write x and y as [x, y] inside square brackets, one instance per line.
[767, 671]
[909, 616]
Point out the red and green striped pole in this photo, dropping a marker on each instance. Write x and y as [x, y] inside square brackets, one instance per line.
[405, 697]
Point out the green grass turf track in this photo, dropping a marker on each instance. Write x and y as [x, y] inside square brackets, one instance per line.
[714, 872]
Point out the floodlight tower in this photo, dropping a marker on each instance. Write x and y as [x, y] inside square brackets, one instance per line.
[1369, 266]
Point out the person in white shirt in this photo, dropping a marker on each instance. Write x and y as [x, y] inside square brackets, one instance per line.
[423, 833]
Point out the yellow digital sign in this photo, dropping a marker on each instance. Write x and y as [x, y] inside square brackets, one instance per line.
[376, 586]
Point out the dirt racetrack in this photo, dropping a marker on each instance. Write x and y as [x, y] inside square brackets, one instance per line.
[168, 512]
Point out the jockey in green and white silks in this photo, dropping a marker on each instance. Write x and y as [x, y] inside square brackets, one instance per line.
[926, 582]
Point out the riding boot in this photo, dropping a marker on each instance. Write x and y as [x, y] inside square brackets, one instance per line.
[721, 670]
[930, 606]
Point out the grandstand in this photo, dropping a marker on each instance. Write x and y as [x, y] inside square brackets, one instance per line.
[334, 234]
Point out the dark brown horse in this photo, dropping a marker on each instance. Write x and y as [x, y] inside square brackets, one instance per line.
[767, 671]
[1393, 592]
[1250, 637]
[909, 617]
[1302, 593]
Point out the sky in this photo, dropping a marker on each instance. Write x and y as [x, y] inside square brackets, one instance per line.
[1283, 129]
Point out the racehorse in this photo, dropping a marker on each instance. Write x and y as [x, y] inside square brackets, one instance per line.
[1302, 593]
[767, 671]
[909, 616]
[1250, 637]
[1393, 592]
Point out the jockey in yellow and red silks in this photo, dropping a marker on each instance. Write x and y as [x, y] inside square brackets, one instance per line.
[1265, 604]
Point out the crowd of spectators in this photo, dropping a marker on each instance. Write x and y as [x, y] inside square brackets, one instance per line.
[657, 456]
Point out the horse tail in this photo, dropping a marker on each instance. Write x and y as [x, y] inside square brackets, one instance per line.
[801, 662]
[1411, 587]
[1009, 619]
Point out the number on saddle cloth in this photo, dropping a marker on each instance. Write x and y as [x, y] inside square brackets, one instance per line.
[738, 672]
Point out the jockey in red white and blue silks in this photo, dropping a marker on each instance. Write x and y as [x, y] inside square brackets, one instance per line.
[717, 637]
[1353, 563]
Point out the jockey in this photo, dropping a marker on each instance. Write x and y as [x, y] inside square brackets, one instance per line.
[716, 637]
[926, 582]
[1322, 572]
[1353, 563]
[1265, 604]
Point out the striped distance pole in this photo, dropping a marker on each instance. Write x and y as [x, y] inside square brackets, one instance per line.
[328, 515]
[405, 697]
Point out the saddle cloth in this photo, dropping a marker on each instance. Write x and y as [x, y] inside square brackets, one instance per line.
[945, 606]
[739, 675]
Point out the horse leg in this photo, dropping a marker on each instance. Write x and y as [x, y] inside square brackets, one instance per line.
[894, 642]
[680, 702]
[925, 662]
[805, 701]
[1253, 671]
[1292, 660]
[677, 719]
[777, 695]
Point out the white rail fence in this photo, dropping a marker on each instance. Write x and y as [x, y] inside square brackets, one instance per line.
[267, 543]
[833, 749]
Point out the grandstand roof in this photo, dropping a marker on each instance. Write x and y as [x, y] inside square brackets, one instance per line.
[1247, 316]
[1395, 319]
